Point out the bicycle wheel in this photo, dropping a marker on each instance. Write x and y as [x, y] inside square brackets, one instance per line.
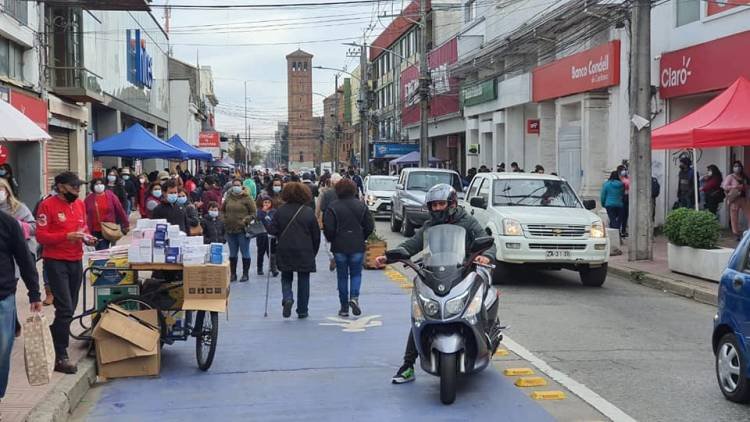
[206, 333]
[137, 303]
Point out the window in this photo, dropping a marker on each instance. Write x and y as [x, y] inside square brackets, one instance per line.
[474, 187]
[687, 11]
[305, 66]
[19, 9]
[470, 10]
[301, 156]
[11, 59]
[534, 193]
[484, 190]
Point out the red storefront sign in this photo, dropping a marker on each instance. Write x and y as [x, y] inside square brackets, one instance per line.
[209, 139]
[532, 126]
[714, 7]
[706, 67]
[444, 89]
[34, 108]
[595, 68]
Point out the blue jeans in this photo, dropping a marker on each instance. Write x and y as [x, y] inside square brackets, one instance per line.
[615, 217]
[7, 336]
[101, 242]
[348, 266]
[238, 242]
[303, 289]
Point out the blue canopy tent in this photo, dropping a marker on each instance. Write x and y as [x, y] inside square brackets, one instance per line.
[189, 150]
[136, 142]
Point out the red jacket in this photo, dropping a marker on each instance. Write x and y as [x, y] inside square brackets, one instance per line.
[114, 214]
[55, 218]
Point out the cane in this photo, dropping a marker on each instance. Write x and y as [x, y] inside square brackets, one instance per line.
[268, 275]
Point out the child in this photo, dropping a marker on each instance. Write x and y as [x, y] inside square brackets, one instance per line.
[213, 226]
[265, 214]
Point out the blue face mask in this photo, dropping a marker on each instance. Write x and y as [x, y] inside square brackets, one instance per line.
[236, 190]
[156, 193]
[3, 172]
[277, 189]
[182, 200]
[171, 198]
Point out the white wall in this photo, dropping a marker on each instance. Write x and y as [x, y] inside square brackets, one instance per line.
[24, 36]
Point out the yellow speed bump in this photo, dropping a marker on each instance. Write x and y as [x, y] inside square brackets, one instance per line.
[502, 352]
[531, 382]
[548, 395]
[513, 372]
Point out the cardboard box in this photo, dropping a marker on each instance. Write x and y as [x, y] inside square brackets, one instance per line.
[206, 287]
[127, 343]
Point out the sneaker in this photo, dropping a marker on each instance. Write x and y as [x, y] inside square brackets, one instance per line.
[274, 273]
[260, 271]
[354, 304]
[302, 316]
[49, 299]
[233, 278]
[65, 366]
[332, 264]
[405, 374]
[287, 308]
[245, 278]
[344, 311]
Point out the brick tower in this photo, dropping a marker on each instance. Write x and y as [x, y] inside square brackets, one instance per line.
[299, 103]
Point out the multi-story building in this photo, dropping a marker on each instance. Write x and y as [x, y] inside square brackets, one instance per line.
[281, 144]
[303, 143]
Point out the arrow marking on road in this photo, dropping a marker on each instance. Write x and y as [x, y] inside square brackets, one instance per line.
[354, 325]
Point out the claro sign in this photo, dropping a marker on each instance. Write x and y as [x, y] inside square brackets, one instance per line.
[706, 67]
[595, 68]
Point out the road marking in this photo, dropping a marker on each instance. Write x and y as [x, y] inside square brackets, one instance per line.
[354, 325]
[514, 372]
[548, 395]
[530, 382]
[586, 394]
[502, 352]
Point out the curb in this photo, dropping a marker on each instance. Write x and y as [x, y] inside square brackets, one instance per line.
[666, 284]
[57, 405]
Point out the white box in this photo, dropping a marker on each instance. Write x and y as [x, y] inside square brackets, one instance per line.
[159, 256]
[145, 223]
[194, 240]
[193, 259]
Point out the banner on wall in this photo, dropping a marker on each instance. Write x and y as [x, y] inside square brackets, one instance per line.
[715, 7]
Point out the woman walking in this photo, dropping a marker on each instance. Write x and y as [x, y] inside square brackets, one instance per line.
[298, 235]
[151, 199]
[348, 223]
[611, 198]
[239, 211]
[735, 188]
[6, 173]
[103, 206]
[712, 191]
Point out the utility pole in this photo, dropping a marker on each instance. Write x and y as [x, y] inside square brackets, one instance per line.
[424, 87]
[335, 155]
[364, 106]
[640, 245]
[247, 129]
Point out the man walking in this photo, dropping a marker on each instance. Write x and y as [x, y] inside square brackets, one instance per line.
[61, 229]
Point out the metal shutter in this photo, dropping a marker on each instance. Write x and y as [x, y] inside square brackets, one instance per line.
[58, 153]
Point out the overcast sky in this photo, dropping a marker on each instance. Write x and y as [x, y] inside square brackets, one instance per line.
[194, 37]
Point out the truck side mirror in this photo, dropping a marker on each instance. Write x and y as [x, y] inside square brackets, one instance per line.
[589, 204]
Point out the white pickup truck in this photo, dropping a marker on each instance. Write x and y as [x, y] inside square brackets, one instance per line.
[538, 220]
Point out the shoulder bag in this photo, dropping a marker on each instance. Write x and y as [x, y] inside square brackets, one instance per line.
[290, 222]
[110, 231]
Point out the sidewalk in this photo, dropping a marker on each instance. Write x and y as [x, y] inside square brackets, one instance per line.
[656, 273]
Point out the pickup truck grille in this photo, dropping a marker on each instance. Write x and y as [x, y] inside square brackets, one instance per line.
[557, 246]
[558, 230]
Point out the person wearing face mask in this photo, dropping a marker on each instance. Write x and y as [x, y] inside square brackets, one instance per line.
[131, 190]
[211, 192]
[115, 184]
[191, 212]
[102, 206]
[6, 172]
[143, 188]
[273, 191]
[735, 189]
[622, 172]
[239, 211]
[152, 200]
[62, 230]
[711, 188]
[169, 209]
[213, 226]
[685, 185]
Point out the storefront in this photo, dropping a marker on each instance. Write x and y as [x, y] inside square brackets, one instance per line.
[383, 152]
[582, 127]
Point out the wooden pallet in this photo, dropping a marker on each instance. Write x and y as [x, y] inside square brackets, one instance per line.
[372, 251]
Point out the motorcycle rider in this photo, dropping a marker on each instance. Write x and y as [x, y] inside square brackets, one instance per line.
[442, 202]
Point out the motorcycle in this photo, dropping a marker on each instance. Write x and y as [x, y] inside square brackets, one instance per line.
[453, 306]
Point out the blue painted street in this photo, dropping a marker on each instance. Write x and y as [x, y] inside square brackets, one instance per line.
[272, 369]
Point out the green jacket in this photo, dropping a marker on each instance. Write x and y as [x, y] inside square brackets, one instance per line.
[415, 244]
[238, 211]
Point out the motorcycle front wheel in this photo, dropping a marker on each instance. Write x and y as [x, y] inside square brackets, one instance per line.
[448, 377]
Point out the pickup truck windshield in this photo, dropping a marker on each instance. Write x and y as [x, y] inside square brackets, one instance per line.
[382, 183]
[424, 180]
[534, 193]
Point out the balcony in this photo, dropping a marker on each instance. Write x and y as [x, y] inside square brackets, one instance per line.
[132, 5]
[77, 83]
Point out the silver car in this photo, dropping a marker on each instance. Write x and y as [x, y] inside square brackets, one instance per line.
[378, 193]
[409, 209]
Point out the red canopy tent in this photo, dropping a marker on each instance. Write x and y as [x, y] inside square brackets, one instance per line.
[722, 122]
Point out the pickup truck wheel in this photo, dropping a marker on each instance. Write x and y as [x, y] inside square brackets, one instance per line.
[593, 277]
[395, 224]
[407, 228]
[502, 273]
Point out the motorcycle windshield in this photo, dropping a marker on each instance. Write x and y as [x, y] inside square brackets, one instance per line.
[444, 253]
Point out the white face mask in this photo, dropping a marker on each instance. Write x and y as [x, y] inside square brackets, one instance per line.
[3, 196]
[98, 188]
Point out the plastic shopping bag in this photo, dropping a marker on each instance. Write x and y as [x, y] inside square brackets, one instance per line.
[38, 350]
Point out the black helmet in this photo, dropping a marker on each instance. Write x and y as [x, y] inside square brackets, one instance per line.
[442, 192]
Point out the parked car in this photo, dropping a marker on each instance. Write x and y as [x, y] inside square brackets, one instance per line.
[731, 336]
[379, 193]
[409, 209]
[539, 221]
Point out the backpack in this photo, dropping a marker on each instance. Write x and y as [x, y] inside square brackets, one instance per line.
[655, 187]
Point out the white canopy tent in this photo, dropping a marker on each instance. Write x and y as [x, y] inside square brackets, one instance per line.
[16, 127]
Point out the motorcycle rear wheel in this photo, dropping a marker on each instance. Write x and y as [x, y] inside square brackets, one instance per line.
[448, 377]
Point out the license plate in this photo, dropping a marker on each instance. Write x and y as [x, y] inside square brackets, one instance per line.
[558, 254]
[387, 207]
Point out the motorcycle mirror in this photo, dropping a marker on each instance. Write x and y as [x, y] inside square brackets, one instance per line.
[397, 254]
[481, 244]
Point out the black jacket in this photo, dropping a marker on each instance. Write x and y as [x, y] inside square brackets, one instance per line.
[297, 247]
[13, 249]
[213, 230]
[173, 213]
[131, 187]
[348, 223]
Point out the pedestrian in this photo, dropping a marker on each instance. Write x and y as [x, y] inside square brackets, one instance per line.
[239, 211]
[249, 184]
[169, 209]
[625, 179]
[735, 189]
[655, 191]
[62, 231]
[483, 169]
[685, 185]
[348, 223]
[273, 190]
[514, 168]
[213, 225]
[501, 168]
[611, 199]
[115, 184]
[538, 169]
[13, 251]
[357, 179]
[151, 200]
[102, 206]
[6, 172]
[131, 190]
[211, 192]
[143, 186]
[326, 199]
[191, 212]
[265, 215]
[711, 187]
[298, 236]
[307, 181]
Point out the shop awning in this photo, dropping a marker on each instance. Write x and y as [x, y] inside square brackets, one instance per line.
[189, 150]
[136, 142]
[723, 122]
[16, 127]
[226, 162]
[411, 158]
